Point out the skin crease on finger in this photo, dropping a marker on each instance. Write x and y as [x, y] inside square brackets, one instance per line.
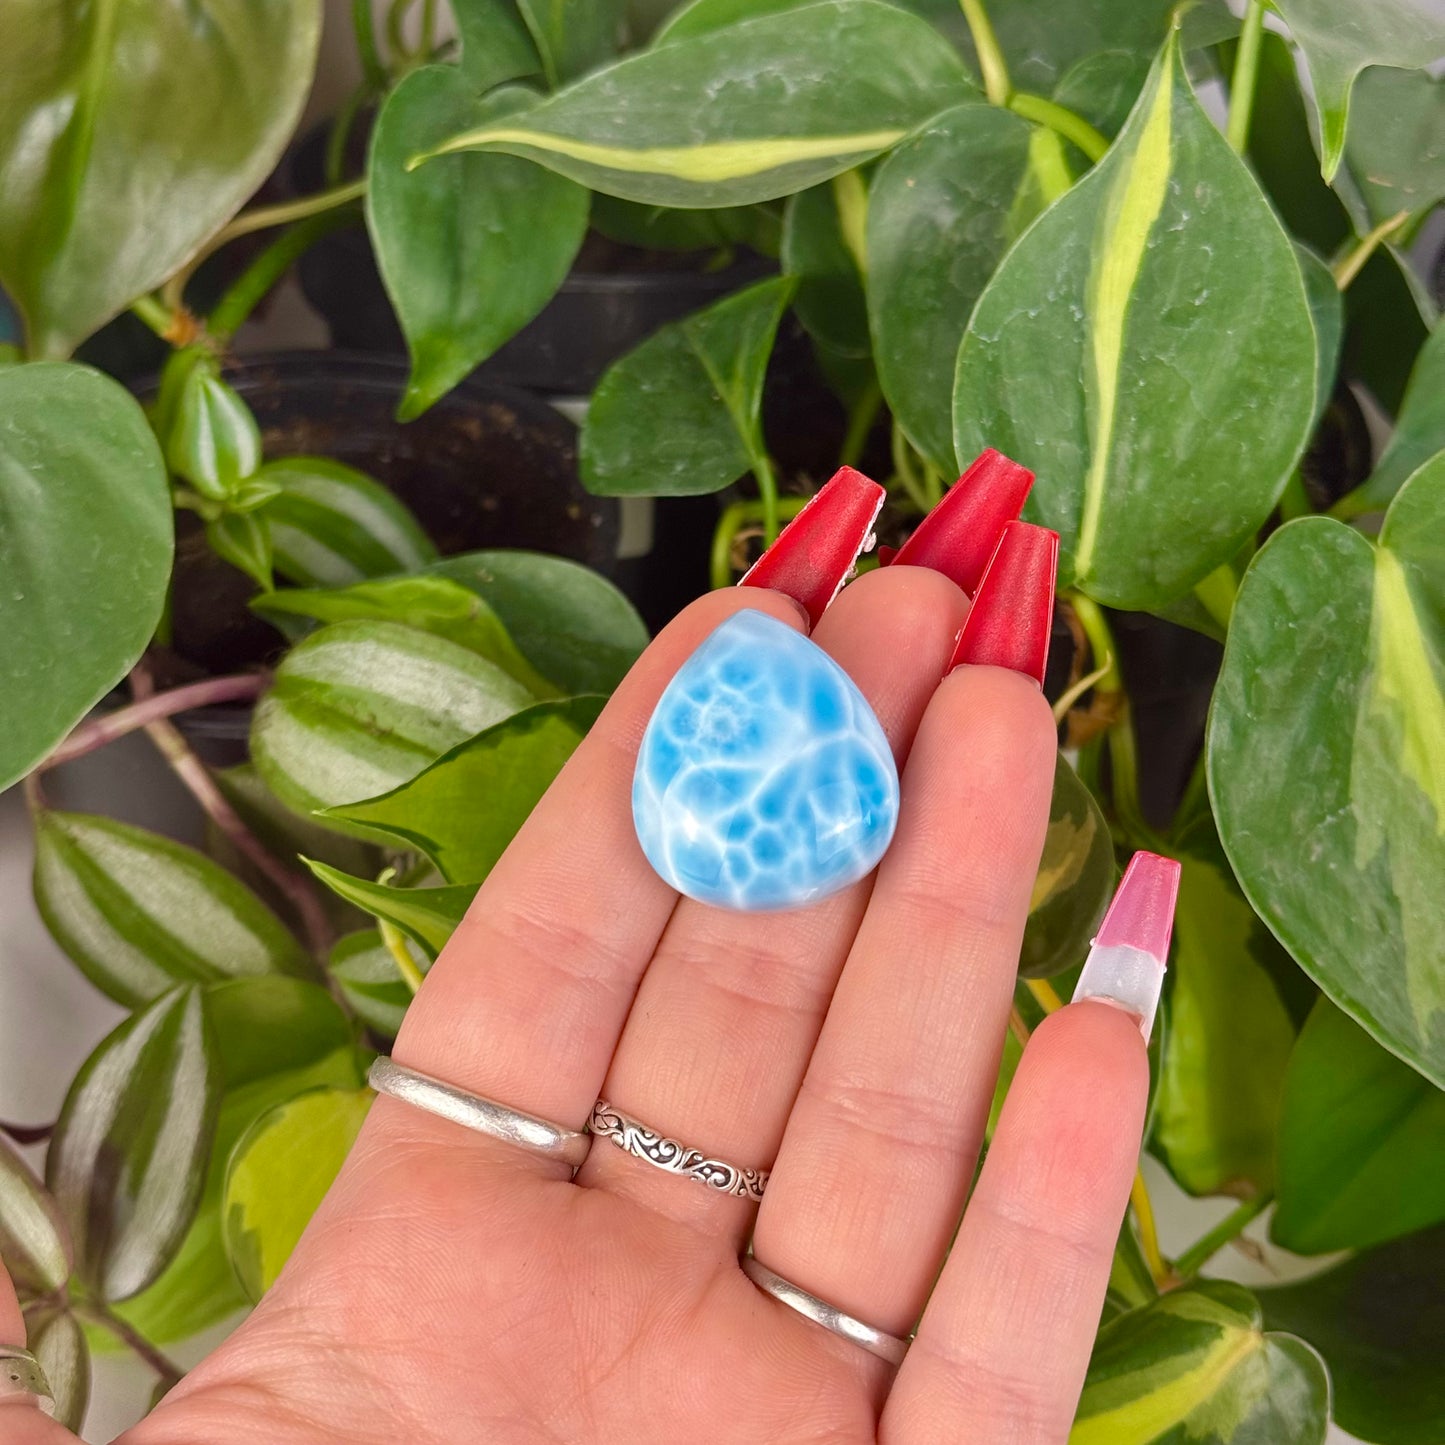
[448, 1291]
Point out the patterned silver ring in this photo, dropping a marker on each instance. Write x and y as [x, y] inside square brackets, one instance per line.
[20, 1374]
[472, 1111]
[885, 1346]
[673, 1156]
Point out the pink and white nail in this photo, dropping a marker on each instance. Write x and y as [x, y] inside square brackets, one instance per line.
[1125, 966]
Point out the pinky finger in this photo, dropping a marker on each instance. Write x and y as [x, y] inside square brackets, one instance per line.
[1004, 1344]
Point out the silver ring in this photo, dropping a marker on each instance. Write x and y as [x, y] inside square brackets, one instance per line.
[20, 1374]
[886, 1347]
[472, 1111]
[675, 1157]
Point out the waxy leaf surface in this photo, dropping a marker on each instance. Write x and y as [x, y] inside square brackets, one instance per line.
[428, 915]
[34, 1242]
[1326, 758]
[1160, 390]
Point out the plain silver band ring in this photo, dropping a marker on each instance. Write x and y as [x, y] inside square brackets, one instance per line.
[20, 1374]
[886, 1347]
[635, 1138]
[472, 1111]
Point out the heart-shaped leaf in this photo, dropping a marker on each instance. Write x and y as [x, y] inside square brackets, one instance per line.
[574, 36]
[679, 414]
[1361, 1143]
[510, 765]
[496, 45]
[472, 246]
[359, 707]
[278, 1175]
[1230, 1034]
[1419, 430]
[367, 975]
[127, 1162]
[1340, 38]
[817, 252]
[942, 210]
[331, 525]
[34, 1242]
[573, 625]
[428, 915]
[1378, 1320]
[1074, 883]
[434, 604]
[85, 550]
[1327, 761]
[140, 913]
[129, 132]
[1123, 353]
[792, 99]
[58, 1342]
[1197, 1365]
[275, 1038]
[1395, 150]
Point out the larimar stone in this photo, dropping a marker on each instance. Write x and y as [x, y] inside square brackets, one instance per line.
[764, 780]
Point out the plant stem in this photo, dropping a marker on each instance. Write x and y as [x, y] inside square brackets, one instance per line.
[153, 311]
[1353, 262]
[861, 416]
[247, 290]
[903, 470]
[1101, 640]
[1230, 1227]
[734, 518]
[365, 29]
[768, 492]
[395, 21]
[336, 138]
[1246, 72]
[396, 946]
[127, 1333]
[1071, 695]
[850, 196]
[991, 63]
[1217, 593]
[1093, 143]
[27, 1133]
[97, 733]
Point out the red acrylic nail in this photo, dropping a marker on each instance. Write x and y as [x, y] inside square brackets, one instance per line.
[816, 551]
[1013, 610]
[958, 536]
[1142, 913]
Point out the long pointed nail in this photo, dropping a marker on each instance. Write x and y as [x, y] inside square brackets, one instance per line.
[958, 536]
[1013, 609]
[815, 552]
[1125, 966]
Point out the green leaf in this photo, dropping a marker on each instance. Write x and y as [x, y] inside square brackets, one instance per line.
[574, 36]
[129, 132]
[663, 228]
[367, 975]
[496, 46]
[1074, 883]
[1230, 1034]
[942, 210]
[279, 1173]
[791, 100]
[471, 247]
[127, 1162]
[1420, 429]
[1395, 151]
[573, 625]
[428, 915]
[85, 549]
[276, 1038]
[509, 765]
[58, 1342]
[34, 1242]
[829, 299]
[140, 913]
[332, 525]
[1161, 390]
[1131, 1286]
[1103, 88]
[211, 437]
[359, 707]
[1361, 1146]
[434, 604]
[244, 540]
[679, 415]
[1378, 1320]
[1326, 759]
[1388, 318]
[1197, 1366]
[1339, 39]
[1327, 311]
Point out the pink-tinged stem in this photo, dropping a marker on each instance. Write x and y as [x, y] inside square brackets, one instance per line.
[102, 730]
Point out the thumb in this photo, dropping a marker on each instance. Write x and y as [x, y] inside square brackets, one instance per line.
[22, 1421]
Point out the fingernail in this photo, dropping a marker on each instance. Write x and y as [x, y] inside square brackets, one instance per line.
[958, 536]
[1013, 609]
[1126, 965]
[815, 552]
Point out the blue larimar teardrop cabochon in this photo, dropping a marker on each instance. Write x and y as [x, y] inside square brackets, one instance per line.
[764, 780]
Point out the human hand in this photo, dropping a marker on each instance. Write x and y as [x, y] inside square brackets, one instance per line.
[455, 1289]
